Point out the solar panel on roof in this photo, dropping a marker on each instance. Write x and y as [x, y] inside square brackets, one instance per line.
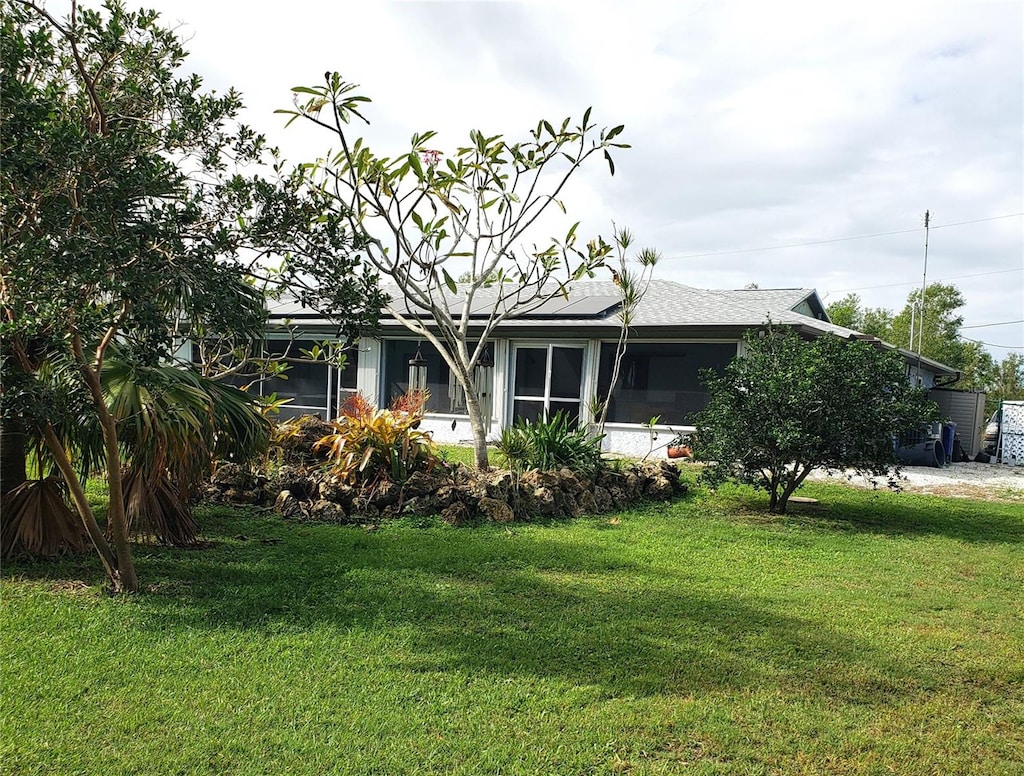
[579, 307]
[590, 305]
[556, 307]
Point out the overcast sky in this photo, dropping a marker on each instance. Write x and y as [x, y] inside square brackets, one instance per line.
[754, 125]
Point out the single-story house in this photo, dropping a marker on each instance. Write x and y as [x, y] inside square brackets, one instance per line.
[560, 355]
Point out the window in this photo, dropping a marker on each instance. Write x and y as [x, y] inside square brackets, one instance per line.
[314, 387]
[548, 378]
[660, 379]
[306, 383]
[446, 395]
[348, 377]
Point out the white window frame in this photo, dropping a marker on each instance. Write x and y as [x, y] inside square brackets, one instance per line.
[547, 398]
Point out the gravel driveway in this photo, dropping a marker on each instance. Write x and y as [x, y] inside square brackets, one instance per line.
[968, 480]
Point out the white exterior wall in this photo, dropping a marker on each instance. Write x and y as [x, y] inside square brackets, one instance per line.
[639, 441]
[440, 428]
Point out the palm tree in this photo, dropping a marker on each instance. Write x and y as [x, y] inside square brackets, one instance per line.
[172, 424]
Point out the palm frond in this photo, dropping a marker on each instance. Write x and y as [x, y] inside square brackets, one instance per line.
[38, 522]
[154, 507]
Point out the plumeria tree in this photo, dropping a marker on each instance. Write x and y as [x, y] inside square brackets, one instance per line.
[430, 217]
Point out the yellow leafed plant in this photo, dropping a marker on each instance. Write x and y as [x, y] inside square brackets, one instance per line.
[370, 445]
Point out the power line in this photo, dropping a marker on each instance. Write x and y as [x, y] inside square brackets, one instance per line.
[914, 282]
[977, 221]
[985, 325]
[835, 239]
[991, 344]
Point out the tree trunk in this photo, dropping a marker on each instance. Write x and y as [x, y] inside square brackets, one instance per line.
[477, 426]
[82, 503]
[790, 489]
[773, 498]
[12, 455]
[117, 523]
[116, 519]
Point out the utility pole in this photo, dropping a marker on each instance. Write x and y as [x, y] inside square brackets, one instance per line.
[924, 286]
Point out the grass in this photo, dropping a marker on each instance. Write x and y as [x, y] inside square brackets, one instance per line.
[868, 633]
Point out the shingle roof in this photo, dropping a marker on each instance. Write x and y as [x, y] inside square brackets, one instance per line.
[666, 305]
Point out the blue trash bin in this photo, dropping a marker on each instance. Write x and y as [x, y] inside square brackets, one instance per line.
[948, 433]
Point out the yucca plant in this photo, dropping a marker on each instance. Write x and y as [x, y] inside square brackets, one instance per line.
[365, 448]
[550, 443]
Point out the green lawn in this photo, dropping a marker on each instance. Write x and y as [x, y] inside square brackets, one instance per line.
[869, 633]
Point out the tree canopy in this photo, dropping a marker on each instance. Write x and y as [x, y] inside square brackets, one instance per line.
[937, 337]
[788, 406]
[134, 207]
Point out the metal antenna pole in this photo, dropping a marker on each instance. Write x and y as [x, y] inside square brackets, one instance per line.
[924, 287]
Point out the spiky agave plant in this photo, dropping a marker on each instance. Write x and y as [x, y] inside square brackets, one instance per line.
[550, 443]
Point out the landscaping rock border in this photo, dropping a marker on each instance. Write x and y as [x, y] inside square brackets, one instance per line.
[457, 493]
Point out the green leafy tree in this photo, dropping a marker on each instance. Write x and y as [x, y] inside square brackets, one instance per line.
[936, 324]
[1006, 381]
[846, 312]
[876, 321]
[788, 406]
[126, 213]
[934, 333]
[977, 367]
[430, 217]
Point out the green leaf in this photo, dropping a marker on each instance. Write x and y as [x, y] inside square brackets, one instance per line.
[611, 164]
[417, 165]
[449, 282]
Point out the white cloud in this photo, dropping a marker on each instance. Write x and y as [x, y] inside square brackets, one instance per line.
[752, 124]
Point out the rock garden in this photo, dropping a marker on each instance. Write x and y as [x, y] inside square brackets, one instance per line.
[375, 465]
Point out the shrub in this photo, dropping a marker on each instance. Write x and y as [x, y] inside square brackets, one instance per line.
[367, 446]
[789, 406]
[550, 444]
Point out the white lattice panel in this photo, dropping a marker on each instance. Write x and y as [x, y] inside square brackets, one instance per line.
[1012, 431]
